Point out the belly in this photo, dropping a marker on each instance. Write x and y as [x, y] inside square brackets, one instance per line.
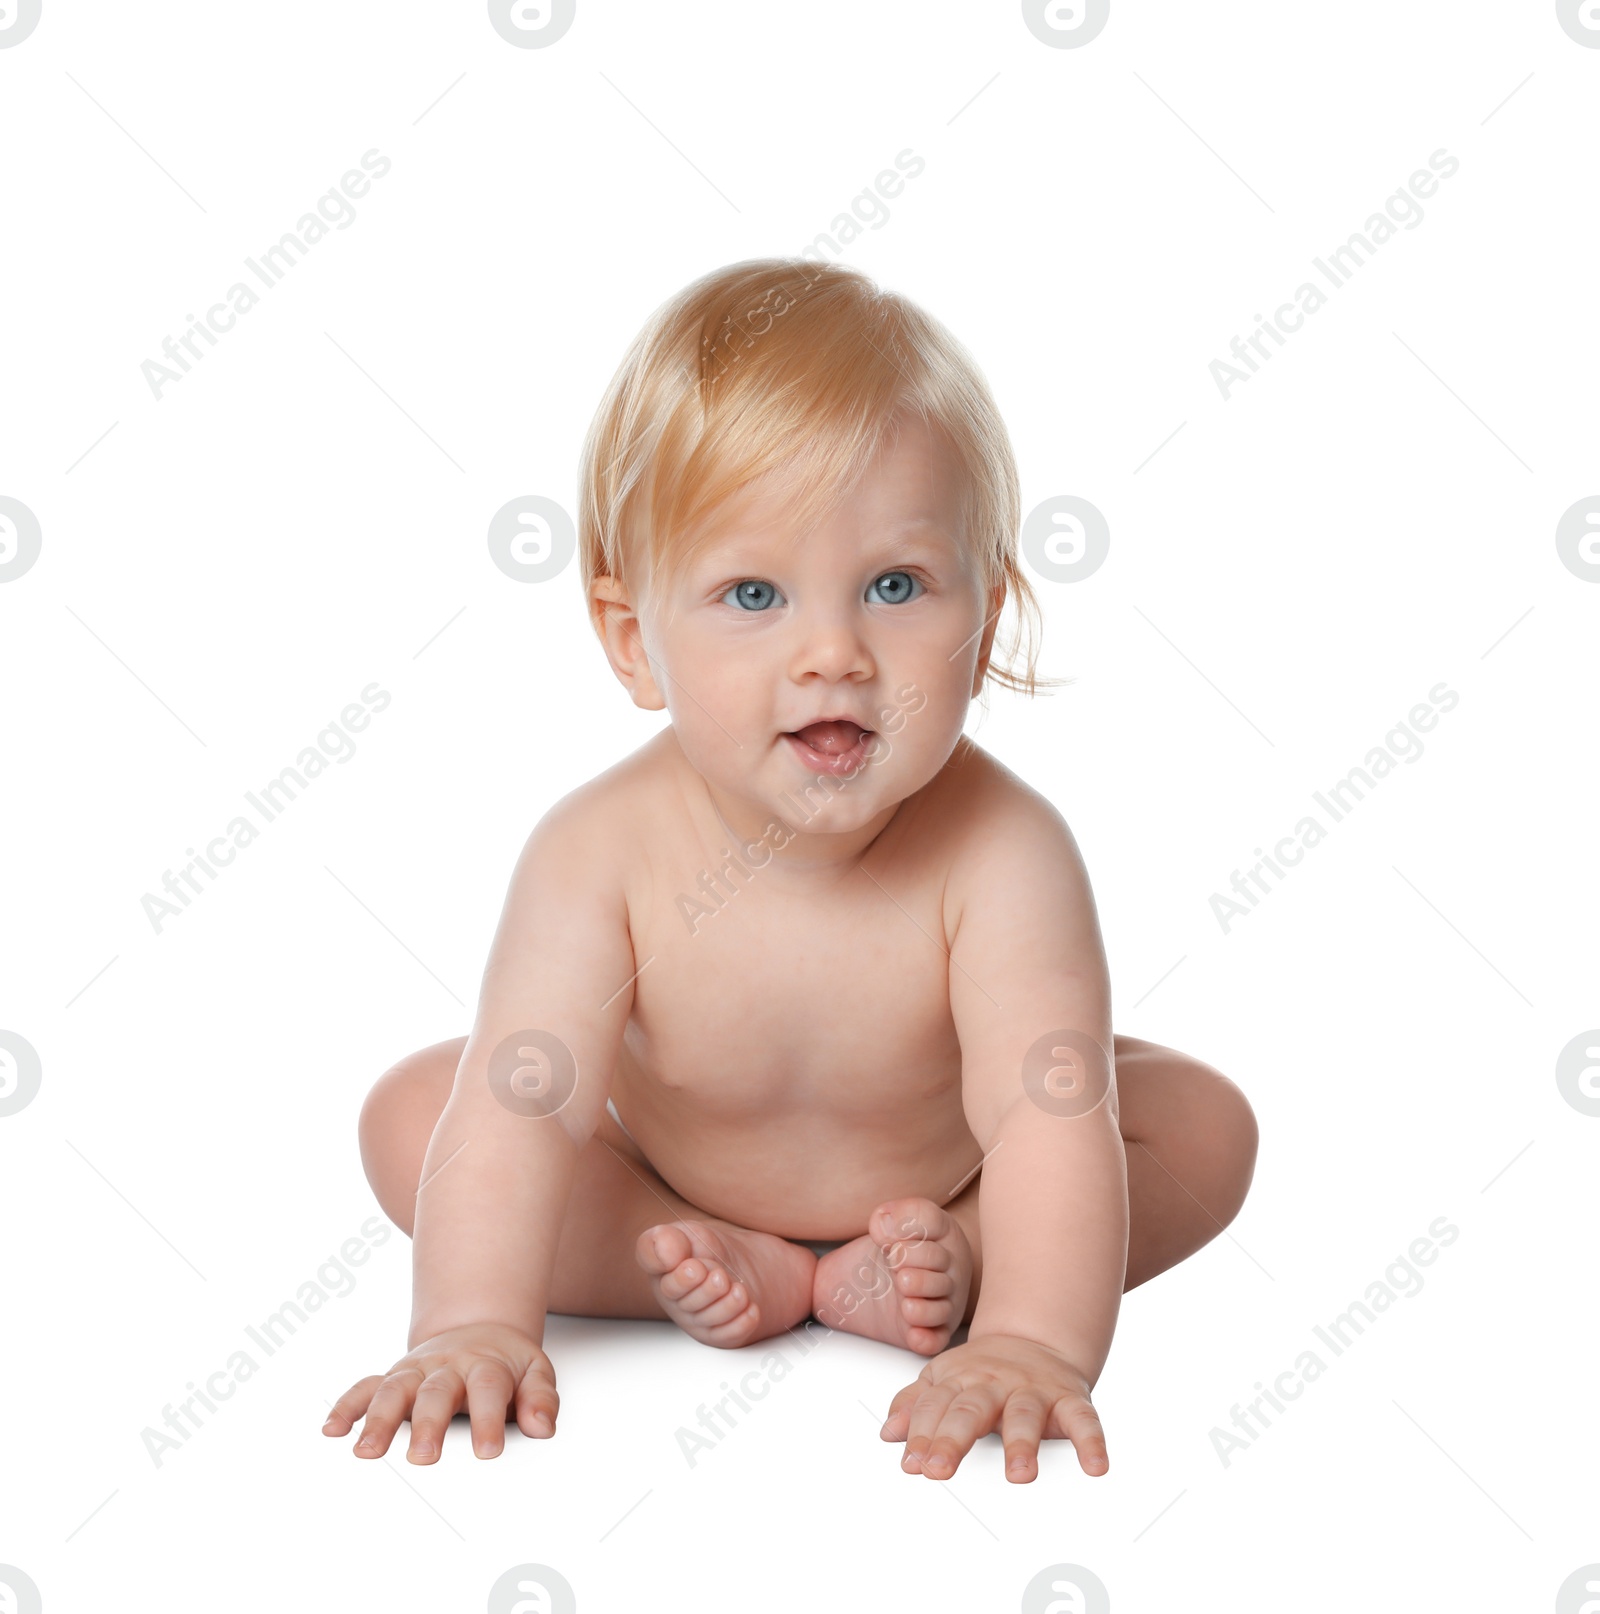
[803, 1170]
[793, 1062]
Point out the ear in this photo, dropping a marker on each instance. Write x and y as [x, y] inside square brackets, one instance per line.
[618, 625]
[991, 617]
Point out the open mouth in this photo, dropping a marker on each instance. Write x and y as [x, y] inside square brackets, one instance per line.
[837, 745]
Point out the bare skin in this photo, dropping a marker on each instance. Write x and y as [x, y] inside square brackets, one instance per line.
[1190, 1150]
[821, 1038]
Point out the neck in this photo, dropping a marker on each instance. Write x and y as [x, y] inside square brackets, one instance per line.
[789, 837]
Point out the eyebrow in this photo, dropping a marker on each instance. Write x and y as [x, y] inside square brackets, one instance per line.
[920, 535]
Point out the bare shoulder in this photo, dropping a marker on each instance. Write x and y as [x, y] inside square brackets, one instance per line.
[608, 809]
[585, 846]
[562, 958]
[1005, 838]
[994, 812]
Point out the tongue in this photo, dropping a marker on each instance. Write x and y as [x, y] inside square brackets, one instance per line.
[831, 738]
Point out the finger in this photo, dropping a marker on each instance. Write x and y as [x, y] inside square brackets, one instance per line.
[389, 1407]
[899, 1415]
[926, 1415]
[1021, 1428]
[351, 1405]
[969, 1415]
[442, 1394]
[537, 1401]
[489, 1388]
[1078, 1421]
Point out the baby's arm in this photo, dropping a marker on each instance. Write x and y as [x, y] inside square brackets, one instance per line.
[500, 1166]
[1031, 1002]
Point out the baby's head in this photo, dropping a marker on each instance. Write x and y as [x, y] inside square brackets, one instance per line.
[798, 502]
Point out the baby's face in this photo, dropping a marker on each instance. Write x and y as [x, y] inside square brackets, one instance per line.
[878, 617]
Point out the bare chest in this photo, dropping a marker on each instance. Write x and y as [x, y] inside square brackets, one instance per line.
[757, 999]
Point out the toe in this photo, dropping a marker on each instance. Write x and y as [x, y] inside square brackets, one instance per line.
[911, 1217]
[911, 1231]
[707, 1286]
[723, 1309]
[730, 1335]
[924, 1255]
[662, 1248]
[926, 1313]
[923, 1283]
[682, 1280]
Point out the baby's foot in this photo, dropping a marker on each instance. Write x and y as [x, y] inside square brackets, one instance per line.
[726, 1285]
[904, 1282]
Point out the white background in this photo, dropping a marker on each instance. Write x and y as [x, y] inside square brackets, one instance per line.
[226, 568]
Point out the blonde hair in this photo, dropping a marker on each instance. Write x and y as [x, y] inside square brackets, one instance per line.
[783, 362]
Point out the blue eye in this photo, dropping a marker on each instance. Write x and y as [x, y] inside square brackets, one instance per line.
[753, 595]
[900, 585]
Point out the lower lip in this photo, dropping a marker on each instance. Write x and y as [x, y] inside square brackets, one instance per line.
[831, 761]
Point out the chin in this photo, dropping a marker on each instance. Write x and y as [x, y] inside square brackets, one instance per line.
[837, 805]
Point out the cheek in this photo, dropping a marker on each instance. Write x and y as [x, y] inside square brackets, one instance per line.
[935, 682]
[714, 691]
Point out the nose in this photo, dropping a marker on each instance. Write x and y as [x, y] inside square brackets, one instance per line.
[831, 644]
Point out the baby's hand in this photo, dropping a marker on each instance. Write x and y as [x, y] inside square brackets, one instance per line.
[480, 1368]
[1025, 1388]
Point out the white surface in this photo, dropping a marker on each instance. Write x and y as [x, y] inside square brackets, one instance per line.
[275, 534]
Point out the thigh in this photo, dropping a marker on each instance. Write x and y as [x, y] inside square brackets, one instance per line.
[401, 1111]
[1191, 1138]
[615, 1196]
[1162, 1092]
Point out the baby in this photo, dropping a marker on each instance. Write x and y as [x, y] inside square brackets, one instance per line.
[802, 1008]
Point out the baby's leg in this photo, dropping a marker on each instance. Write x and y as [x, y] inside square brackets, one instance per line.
[1190, 1139]
[629, 1247]
[905, 1281]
